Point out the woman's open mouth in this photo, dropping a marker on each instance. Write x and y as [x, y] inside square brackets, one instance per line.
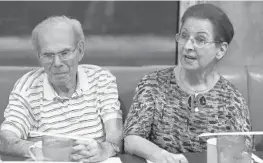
[189, 58]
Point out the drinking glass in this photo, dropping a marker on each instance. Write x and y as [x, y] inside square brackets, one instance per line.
[56, 149]
[233, 149]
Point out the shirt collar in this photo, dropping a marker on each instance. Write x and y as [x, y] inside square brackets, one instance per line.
[82, 85]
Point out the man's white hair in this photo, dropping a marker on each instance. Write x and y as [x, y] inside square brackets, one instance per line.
[53, 20]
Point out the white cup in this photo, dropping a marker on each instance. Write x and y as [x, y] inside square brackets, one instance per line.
[211, 150]
[35, 151]
[51, 149]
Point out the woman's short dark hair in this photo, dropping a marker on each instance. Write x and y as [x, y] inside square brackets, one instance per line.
[222, 26]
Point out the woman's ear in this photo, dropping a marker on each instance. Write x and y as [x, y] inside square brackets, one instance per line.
[81, 49]
[222, 51]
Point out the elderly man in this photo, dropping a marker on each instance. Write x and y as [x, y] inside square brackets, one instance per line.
[64, 97]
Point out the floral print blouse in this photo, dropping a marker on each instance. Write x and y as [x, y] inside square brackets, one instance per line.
[161, 114]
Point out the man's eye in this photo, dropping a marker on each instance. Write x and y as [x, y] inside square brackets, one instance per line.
[49, 55]
[64, 53]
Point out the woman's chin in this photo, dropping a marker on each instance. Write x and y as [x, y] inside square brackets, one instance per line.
[189, 66]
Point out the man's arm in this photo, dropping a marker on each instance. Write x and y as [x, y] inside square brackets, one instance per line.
[114, 136]
[11, 144]
[111, 114]
[19, 120]
[94, 151]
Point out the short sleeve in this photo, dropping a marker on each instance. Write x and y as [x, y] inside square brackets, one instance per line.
[140, 115]
[109, 104]
[241, 116]
[18, 117]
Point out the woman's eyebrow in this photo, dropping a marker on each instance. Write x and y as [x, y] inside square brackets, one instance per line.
[183, 30]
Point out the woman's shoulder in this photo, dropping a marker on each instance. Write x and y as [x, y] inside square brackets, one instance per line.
[156, 79]
[160, 75]
[228, 87]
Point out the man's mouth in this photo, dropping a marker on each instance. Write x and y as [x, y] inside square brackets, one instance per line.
[60, 74]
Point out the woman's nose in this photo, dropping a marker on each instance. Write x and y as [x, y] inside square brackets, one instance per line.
[189, 44]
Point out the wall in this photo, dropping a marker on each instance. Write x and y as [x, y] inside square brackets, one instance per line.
[119, 33]
[246, 16]
[97, 17]
[246, 48]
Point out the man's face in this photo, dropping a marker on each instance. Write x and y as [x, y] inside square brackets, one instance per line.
[59, 54]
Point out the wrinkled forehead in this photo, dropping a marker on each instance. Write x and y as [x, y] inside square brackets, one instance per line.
[56, 37]
[197, 25]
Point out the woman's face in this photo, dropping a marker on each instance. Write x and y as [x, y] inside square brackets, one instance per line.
[194, 51]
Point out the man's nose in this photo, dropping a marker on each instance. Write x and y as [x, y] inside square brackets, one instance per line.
[57, 61]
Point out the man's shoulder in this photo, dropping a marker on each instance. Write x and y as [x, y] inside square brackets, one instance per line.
[29, 80]
[94, 70]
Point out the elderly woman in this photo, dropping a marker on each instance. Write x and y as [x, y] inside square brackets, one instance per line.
[172, 106]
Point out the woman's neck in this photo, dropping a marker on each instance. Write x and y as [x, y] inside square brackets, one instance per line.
[198, 80]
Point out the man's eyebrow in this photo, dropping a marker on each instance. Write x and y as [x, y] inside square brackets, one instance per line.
[202, 32]
[47, 53]
[63, 50]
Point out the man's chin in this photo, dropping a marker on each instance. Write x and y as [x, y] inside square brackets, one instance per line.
[60, 82]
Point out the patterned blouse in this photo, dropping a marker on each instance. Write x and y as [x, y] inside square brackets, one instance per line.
[160, 113]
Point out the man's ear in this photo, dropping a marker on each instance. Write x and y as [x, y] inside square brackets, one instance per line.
[38, 58]
[222, 51]
[39, 61]
[81, 49]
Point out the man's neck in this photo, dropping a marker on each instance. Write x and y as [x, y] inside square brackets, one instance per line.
[66, 90]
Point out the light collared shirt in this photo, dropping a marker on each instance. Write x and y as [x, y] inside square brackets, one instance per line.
[35, 106]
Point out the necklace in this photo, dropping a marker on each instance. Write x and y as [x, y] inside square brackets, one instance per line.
[196, 100]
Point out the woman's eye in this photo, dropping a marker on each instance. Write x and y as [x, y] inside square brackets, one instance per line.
[184, 36]
[200, 39]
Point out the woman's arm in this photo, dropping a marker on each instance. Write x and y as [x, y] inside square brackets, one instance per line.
[139, 120]
[138, 125]
[241, 116]
[142, 147]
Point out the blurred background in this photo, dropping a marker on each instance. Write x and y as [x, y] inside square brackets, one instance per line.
[118, 33]
[126, 33]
